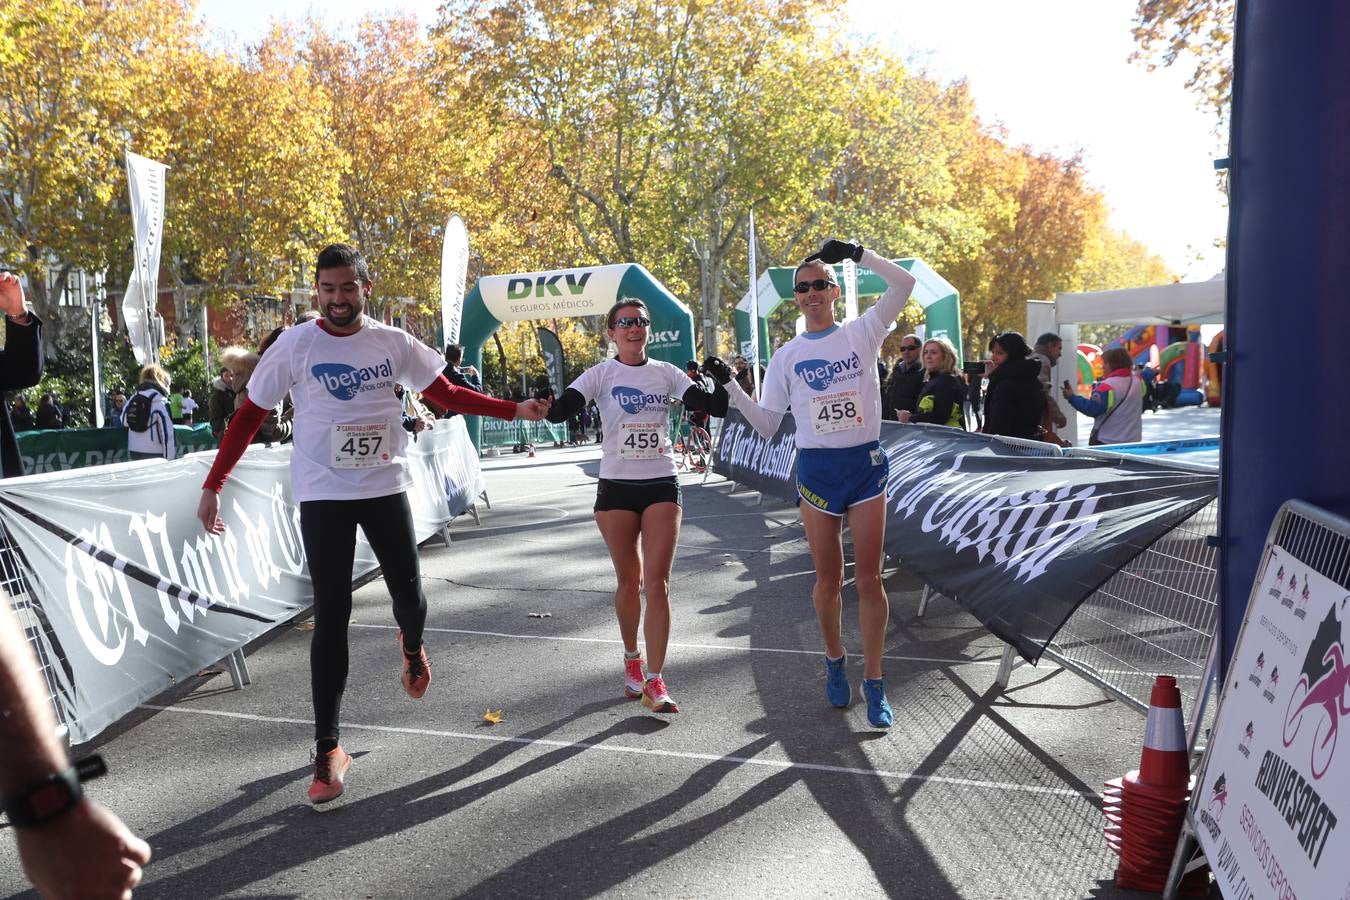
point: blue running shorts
(832, 480)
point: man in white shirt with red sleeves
(348, 468)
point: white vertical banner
(754, 308)
(145, 181)
(850, 290)
(454, 272)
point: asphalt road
(757, 789)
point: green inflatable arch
(941, 302)
(569, 293)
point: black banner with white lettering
(554, 361)
(1018, 541)
(767, 466)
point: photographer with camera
(1116, 403)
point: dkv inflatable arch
(570, 293)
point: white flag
(145, 180)
(454, 271)
(754, 310)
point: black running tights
(328, 529)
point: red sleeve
(463, 400)
(243, 426)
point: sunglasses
(909, 346)
(819, 284)
(631, 321)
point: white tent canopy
(1190, 303)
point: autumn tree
(1200, 32)
(397, 186)
(662, 123)
(252, 186)
(77, 79)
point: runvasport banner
(128, 593)
(1018, 541)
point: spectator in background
(906, 379)
(20, 363)
(21, 415)
(740, 366)
(220, 405)
(940, 397)
(71, 414)
(1117, 402)
(176, 407)
(1013, 403)
(69, 846)
(273, 429)
(465, 377)
(1049, 346)
(48, 415)
(157, 440)
(117, 409)
(698, 417)
(189, 408)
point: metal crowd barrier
(1157, 615)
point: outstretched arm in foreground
(84, 851)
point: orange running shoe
(329, 771)
(655, 698)
(632, 678)
(416, 670)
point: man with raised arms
(828, 377)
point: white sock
(636, 654)
(651, 675)
(834, 659)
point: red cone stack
(1144, 810)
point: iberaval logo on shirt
(632, 400)
(344, 382)
(820, 374)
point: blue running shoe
(878, 710)
(836, 682)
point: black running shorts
(635, 496)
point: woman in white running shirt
(638, 495)
(828, 376)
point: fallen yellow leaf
(492, 718)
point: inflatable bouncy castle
(1173, 352)
(1214, 371)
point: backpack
(137, 414)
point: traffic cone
(1163, 763)
(1144, 809)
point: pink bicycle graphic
(1329, 693)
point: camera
(973, 368)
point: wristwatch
(44, 800)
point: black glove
(718, 370)
(833, 251)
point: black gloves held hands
(833, 251)
(718, 370)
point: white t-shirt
(349, 439)
(829, 380)
(189, 406)
(633, 402)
